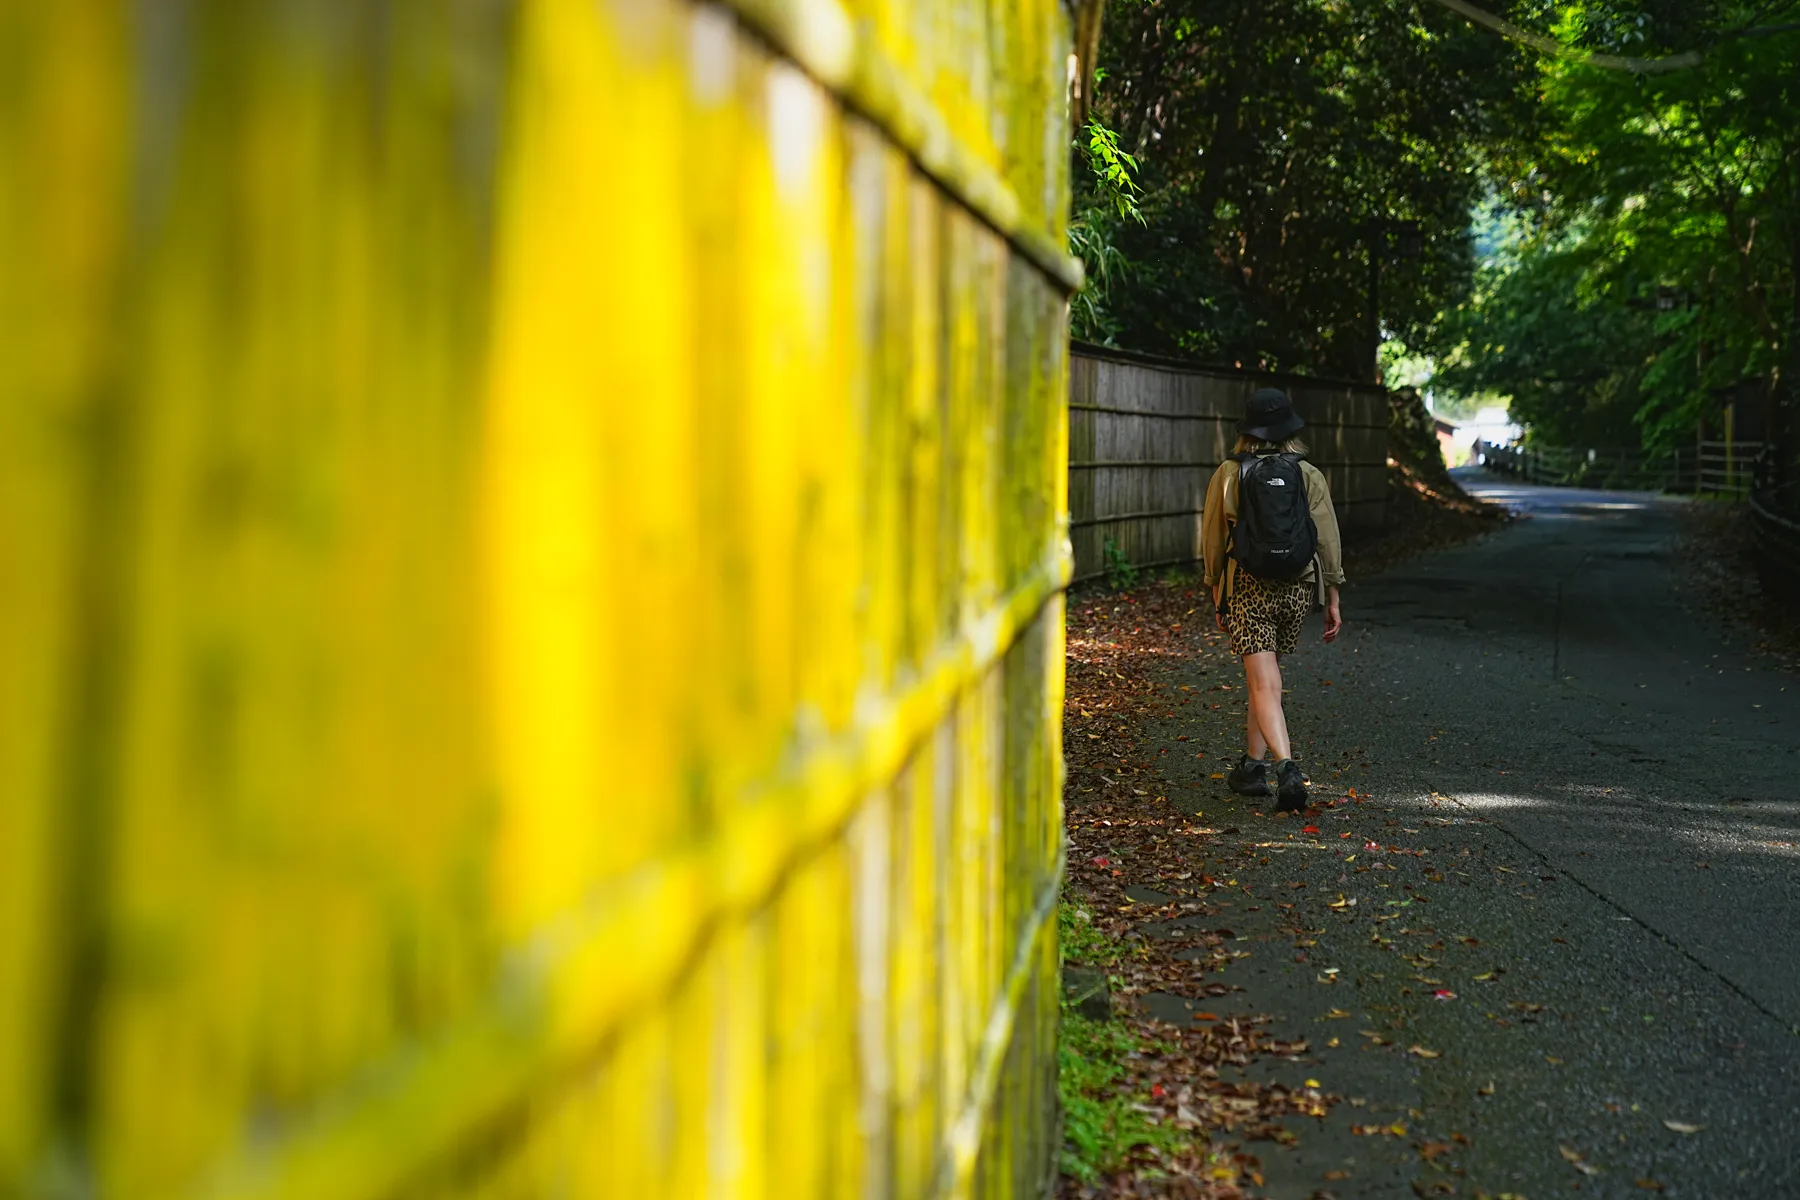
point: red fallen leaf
(1310, 829)
(1157, 1091)
(1443, 994)
(1101, 862)
(1206, 1016)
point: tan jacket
(1220, 512)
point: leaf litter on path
(1124, 834)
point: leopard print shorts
(1266, 614)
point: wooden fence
(1146, 433)
(533, 551)
(1727, 468)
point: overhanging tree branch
(1549, 45)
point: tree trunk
(1088, 14)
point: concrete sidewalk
(1562, 958)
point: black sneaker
(1250, 777)
(1290, 786)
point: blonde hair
(1255, 445)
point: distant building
(1446, 437)
(1490, 425)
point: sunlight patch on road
(1502, 800)
(1776, 843)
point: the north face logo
(1277, 482)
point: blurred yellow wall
(531, 539)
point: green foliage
(1540, 331)
(1121, 575)
(1101, 1125)
(1112, 171)
(1080, 941)
(1272, 137)
(1649, 275)
(1107, 198)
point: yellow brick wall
(531, 538)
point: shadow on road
(1546, 946)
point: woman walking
(1270, 537)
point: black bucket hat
(1270, 415)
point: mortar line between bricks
(1590, 889)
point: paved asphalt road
(1588, 828)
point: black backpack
(1274, 537)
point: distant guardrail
(1709, 468)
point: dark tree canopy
(1654, 280)
(1652, 219)
(1270, 136)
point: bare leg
(1255, 745)
(1267, 723)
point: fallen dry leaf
(1683, 1127)
(1648, 1185)
(1422, 1052)
(1486, 1089)
(1576, 1161)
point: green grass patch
(1081, 942)
(1101, 1126)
